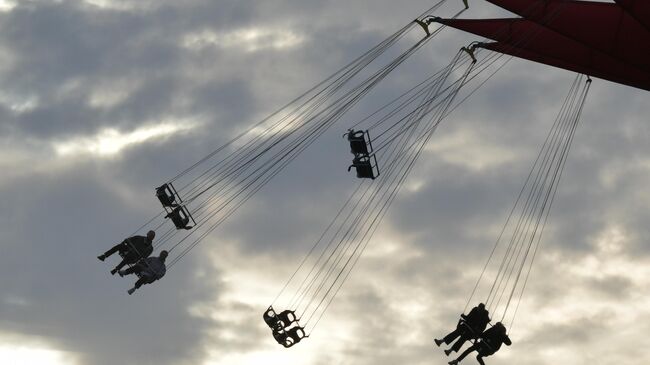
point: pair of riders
(472, 327)
(135, 251)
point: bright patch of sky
(111, 93)
(249, 39)
(468, 149)
(110, 142)
(7, 5)
(25, 355)
(115, 5)
(18, 104)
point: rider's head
(151, 235)
(163, 255)
(481, 305)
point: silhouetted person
(149, 270)
(470, 326)
(489, 343)
(131, 249)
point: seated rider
(469, 327)
(132, 250)
(149, 270)
(488, 344)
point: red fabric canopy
(604, 40)
(571, 66)
(520, 37)
(604, 26)
(640, 9)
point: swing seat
(271, 318)
(485, 349)
(287, 317)
(133, 255)
(181, 217)
(293, 336)
(166, 194)
(365, 168)
(358, 144)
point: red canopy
(640, 9)
(604, 40)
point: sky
(101, 100)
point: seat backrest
(364, 168)
(183, 216)
(358, 143)
(358, 147)
(352, 134)
(297, 333)
(165, 195)
(361, 160)
(287, 317)
(270, 317)
(180, 217)
(288, 342)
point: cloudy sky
(100, 100)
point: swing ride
(609, 41)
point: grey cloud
(96, 321)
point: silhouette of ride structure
(364, 160)
(284, 326)
(173, 205)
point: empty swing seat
(293, 336)
(359, 146)
(181, 217)
(271, 319)
(365, 168)
(279, 321)
(166, 194)
(286, 318)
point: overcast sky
(101, 100)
